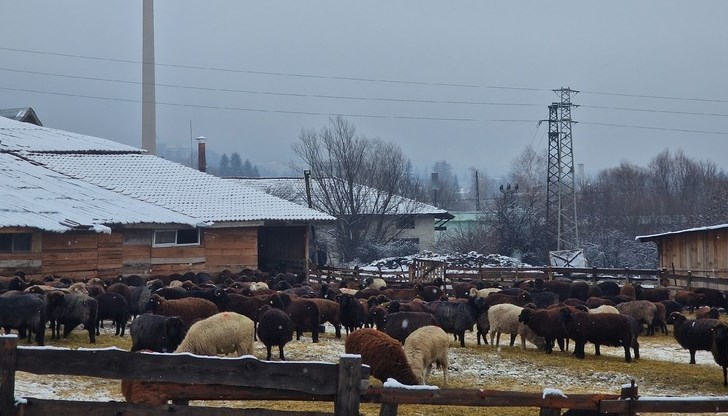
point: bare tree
(359, 181)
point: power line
(654, 128)
(285, 94)
(359, 79)
(284, 74)
(260, 110)
(648, 110)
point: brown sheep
(707, 312)
(689, 299)
(304, 313)
(190, 310)
(628, 290)
(329, 311)
(382, 353)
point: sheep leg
(513, 339)
(462, 338)
(725, 377)
(268, 348)
(596, 350)
(492, 338)
(338, 330)
(627, 356)
(280, 353)
(692, 356)
(560, 341)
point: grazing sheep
(304, 313)
(595, 302)
(689, 299)
(656, 294)
(429, 293)
(456, 317)
(720, 348)
(382, 353)
(604, 309)
(628, 290)
(426, 346)
(112, 306)
(545, 323)
(503, 318)
(352, 314)
(711, 297)
(71, 310)
(643, 311)
(222, 333)
(400, 325)
(601, 329)
(692, 334)
(24, 312)
(329, 311)
(274, 328)
(707, 312)
(156, 332)
(374, 283)
(190, 310)
(608, 288)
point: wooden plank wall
(282, 249)
(231, 248)
(70, 254)
(703, 253)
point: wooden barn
(81, 206)
(703, 251)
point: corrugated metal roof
(137, 175)
(36, 197)
(24, 114)
(643, 238)
(294, 189)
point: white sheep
(257, 286)
(377, 283)
(604, 309)
(503, 318)
(483, 293)
(222, 333)
(426, 346)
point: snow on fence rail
(151, 380)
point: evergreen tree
(224, 165)
(236, 165)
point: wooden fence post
(348, 390)
(630, 392)
(594, 275)
(690, 280)
(8, 362)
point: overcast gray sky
(464, 82)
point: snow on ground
(484, 365)
(471, 260)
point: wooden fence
(150, 381)
(427, 270)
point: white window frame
(176, 236)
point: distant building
(416, 222)
(703, 251)
(24, 114)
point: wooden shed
(703, 251)
(85, 207)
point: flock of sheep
(401, 333)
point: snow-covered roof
(36, 197)
(294, 189)
(136, 176)
(644, 238)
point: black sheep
(24, 312)
(304, 313)
(399, 325)
(672, 306)
(656, 294)
(352, 314)
(456, 317)
(610, 329)
(274, 328)
(712, 297)
(72, 310)
(545, 323)
(719, 348)
(156, 332)
(609, 288)
(692, 334)
(579, 290)
(115, 307)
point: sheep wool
(382, 353)
(222, 333)
(426, 346)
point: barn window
(15, 242)
(166, 238)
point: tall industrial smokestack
(149, 115)
(201, 157)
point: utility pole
(149, 114)
(561, 185)
(477, 192)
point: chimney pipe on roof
(201, 159)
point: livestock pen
(153, 380)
